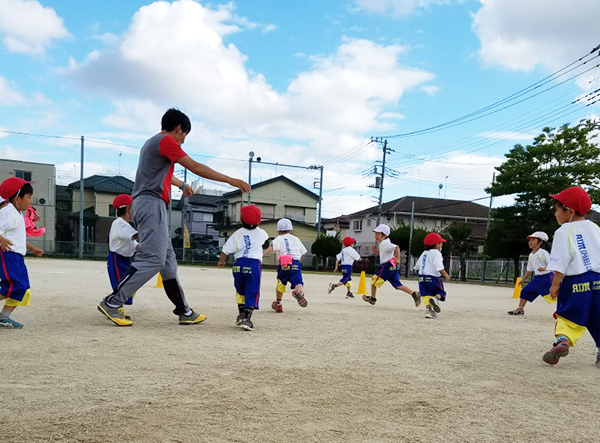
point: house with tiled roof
(432, 214)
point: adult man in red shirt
(151, 194)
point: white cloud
(399, 8)
(28, 27)
(9, 95)
(343, 92)
(430, 90)
(520, 35)
(8, 152)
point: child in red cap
(575, 260)
(14, 288)
(122, 242)
(346, 259)
(431, 267)
(247, 245)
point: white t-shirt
(576, 248)
(288, 244)
(538, 260)
(246, 243)
(430, 263)
(386, 250)
(12, 227)
(120, 239)
(347, 256)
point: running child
(14, 287)
(536, 265)
(122, 242)
(431, 267)
(346, 259)
(389, 259)
(575, 260)
(290, 251)
(247, 244)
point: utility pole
(250, 156)
(184, 214)
(487, 228)
(412, 224)
(379, 180)
(81, 202)
(320, 200)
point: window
(267, 212)
(357, 225)
(207, 217)
(295, 213)
(111, 211)
(25, 175)
(369, 221)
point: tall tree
(461, 245)
(557, 158)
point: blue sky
(296, 82)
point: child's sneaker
(369, 299)
(349, 295)
(277, 307)
(299, 296)
(435, 305)
(245, 323)
(516, 311)
(331, 287)
(192, 319)
(430, 313)
(9, 323)
(559, 349)
(417, 298)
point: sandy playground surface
(337, 371)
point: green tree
(400, 235)
(326, 246)
(461, 245)
(557, 159)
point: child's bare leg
(373, 291)
(298, 289)
(522, 303)
(415, 295)
(278, 295)
(405, 289)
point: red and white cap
(383, 229)
(433, 238)
(11, 186)
(250, 214)
(122, 200)
(348, 241)
(575, 198)
(539, 234)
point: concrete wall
(43, 180)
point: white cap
(384, 229)
(539, 234)
(284, 225)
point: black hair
(546, 246)
(429, 247)
(121, 211)
(26, 189)
(247, 226)
(173, 118)
(558, 204)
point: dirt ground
(339, 370)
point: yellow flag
(186, 238)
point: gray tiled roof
(116, 184)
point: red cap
(251, 215)
(11, 186)
(575, 198)
(348, 241)
(433, 238)
(122, 200)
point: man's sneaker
(332, 286)
(369, 299)
(559, 349)
(430, 313)
(417, 298)
(435, 305)
(246, 324)
(299, 296)
(9, 323)
(192, 319)
(349, 295)
(277, 307)
(516, 311)
(116, 315)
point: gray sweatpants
(154, 255)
